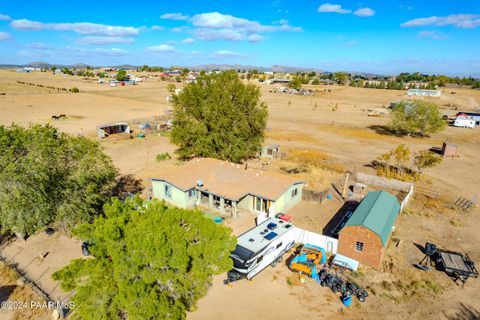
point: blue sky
(367, 35)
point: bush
(163, 156)
(74, 90)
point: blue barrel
(329, 196)
(346, 300)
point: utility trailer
(260, 247)
(457, 266)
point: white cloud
(4, 36)
(178, 29)
(4, 17)
(336, 8)
(162, 48)
(219, 34)
(174, 16)
(364, 12)
(216, 26)
(156, 28)
(227, 54)
(457, 20)
(37, 46)
(78, 27)
(432, 35)
(188, 40)
(101, 41)
(255, 38)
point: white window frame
(192, 193)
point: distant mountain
(275, 68)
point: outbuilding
(365, 235)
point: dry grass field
(330, 132)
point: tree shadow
(464, 312)
(127, 185)
(5, 292)
(385, 130)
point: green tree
(316, 81)
(402, 156)
(296, 83)
(48, 177)
(121, 75)
(416, 117)
(341, 77)
(425, 159)
(220, 117)
(151, 261)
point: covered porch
(233, 207)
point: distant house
(365, 235)
(173, 73)
(227, 187)
(424, 93)
(191, 78)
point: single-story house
(424, 92)
(227, 187)
(365, 235)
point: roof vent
(272, 226)
(200, 182)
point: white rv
(464, 121)
(262, 246)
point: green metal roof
(377, 212)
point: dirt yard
(333, 126)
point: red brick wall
(373, 249)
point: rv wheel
(274, 263)
(280, 259)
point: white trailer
(262, 246)
(464, 122)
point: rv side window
(260, 259)
(278, 245)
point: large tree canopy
(50, 177)
(151, 261)
(416, 117)
(220, 117)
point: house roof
(377, 212)
(229, 180)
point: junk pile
(308, 261)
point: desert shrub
(163, 156)
(74, 90)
